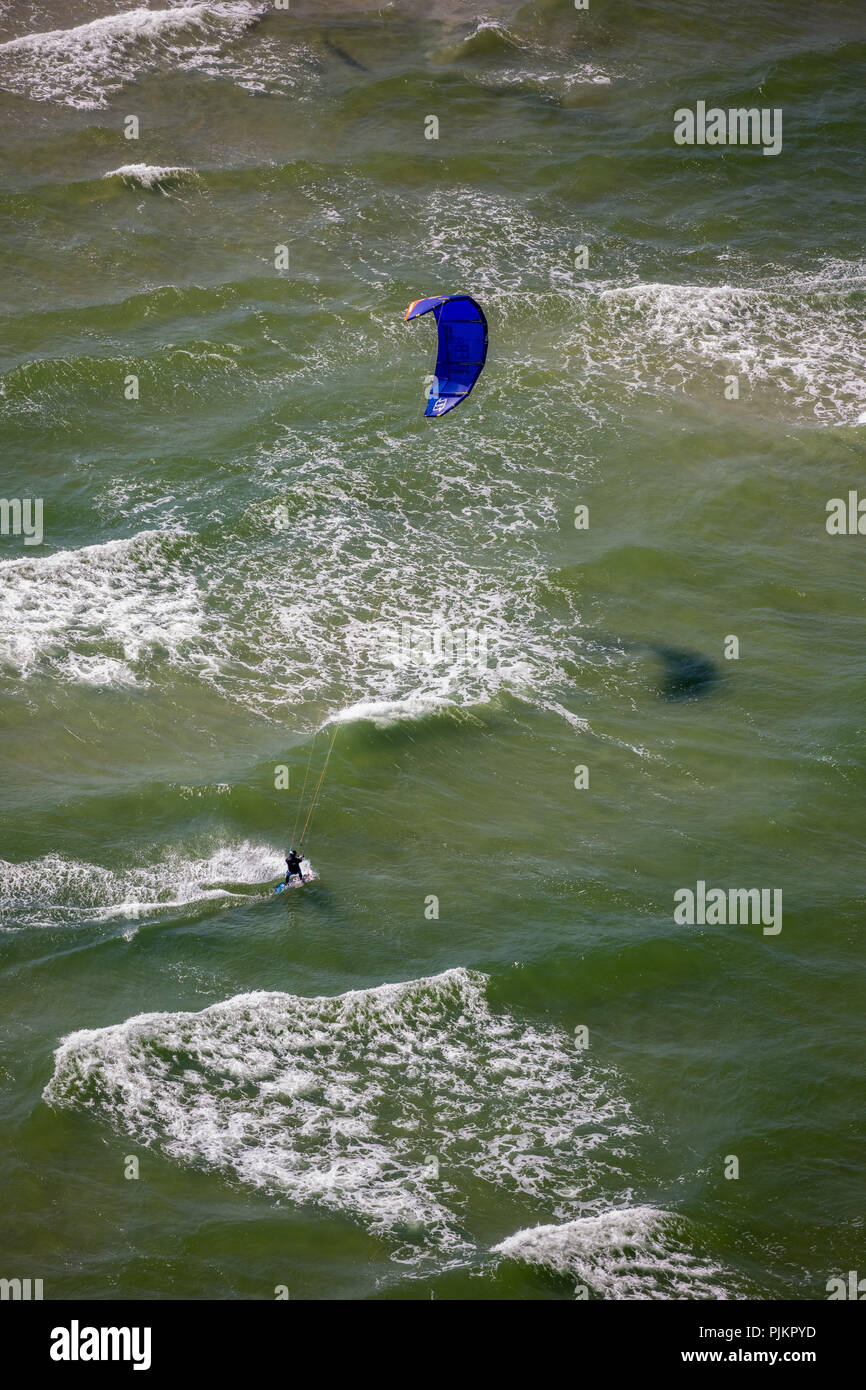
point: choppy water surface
(337, 1089)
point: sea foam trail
(84, 66)
(90, 615)
(115, 614)
(387, 1104)
(630, 1253)
(318, 627)
(799, 337)
(53, 891)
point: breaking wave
(387, 1104)
(630, 1253)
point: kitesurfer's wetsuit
(293, 865)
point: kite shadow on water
(685, 675)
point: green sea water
(477, 1057)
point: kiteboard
(295, 882)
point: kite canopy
(462, 347)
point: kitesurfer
(293, 867)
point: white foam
(117, 613)
(558, 83)
(629, 1253)
(54, 891)
(351, 1102)
(95, 614)
(150, 175)
(384, 712)
(308, 622)
(797, 336)
(84, 66)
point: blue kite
(462, 349)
